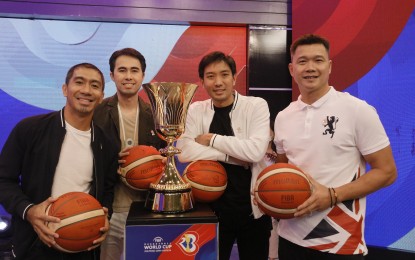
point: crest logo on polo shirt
(330, 123)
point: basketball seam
(194, 162)
(126, 169)
(141, 179)
(273, 209)
(266, 175)
(204, 187)
(75, 219)
(124, 180)
(54, 209)
(205, 170)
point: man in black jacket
(48, 155)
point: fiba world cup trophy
(169, 103)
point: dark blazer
(106, 116)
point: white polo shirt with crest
(327, 140)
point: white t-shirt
(75, 167)
(327, 140)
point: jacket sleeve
(111, 176)
(252, 148)
(11, 160)
(191, 150)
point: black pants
(40, 251)
(291, 251)
(251, 235)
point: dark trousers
(291, 251)
(251, 235)
(40, 251)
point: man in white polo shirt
(331, 136)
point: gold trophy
(169, 103)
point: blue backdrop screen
(389, 88)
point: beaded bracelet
(331, 198)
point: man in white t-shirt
(55, 153)
(331, 136)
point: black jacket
(27, 166)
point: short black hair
(213, 57)
(127, 52)
(308, 39)
(70, 72)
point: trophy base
(167, 201)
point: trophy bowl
(169, 103)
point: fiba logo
(157, 239)
(157, 245)
(188, 243)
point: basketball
(280, 189)
(81, 218)
(207, 178)
(142, 166)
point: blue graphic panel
(36, 54)
(172, 241)
(389, 87)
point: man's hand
(204, 139)
(37, 217)
(124, 152)
(318, 201)
(104, 230)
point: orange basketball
(142, 166)
(207, 178)
(81, 218)
(280, 189)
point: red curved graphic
(197, 41)
(206, 232)
(360, 33)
